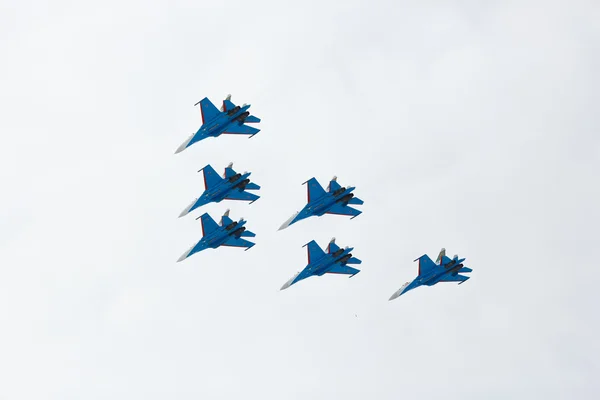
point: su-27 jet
(226, 233)
(430, 273)
(232, 186)
(229, 120)
(335, 261)
(333, 201)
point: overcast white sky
(468, 125)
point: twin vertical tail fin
(333, 185)
(442, 254)
(227, 104)
(225, 220)
(332, 247)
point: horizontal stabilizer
(247, 233)
(356, 201)
(208, 110)
(465, 269)
(252, 186)
(242, 196)
(455, 278)
(354, 260)
(339, 209)
(251, 119)
(342, 269)
(235, 129)
(233, 242)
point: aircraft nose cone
(185, 255)
(396, 295)
(184, 145)
(187, 209)
(399, 291)
(290, 282)
(288, 222)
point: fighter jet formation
(336, 200)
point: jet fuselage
(322, 265)
(219, 191)
(220, 236)
(217, 125)
(322, 205)
(450, 268)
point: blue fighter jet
(227, 233)
(230, 119)
(430, 273)
(232, 186)
(333, 262)
(333, 201)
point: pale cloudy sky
(467, 125)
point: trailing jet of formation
(443, 270)
(336, 199)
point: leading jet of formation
(430, 273)
(232, 186)
(333, 201)
(231, 119)
(335, 261)
(226, 233)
